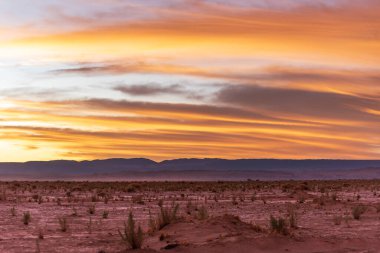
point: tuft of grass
(89, 225)
(357, 211)
(234, 201)
(152, 224)
(63, 224)
(189, 207)
(91, 209)
(40, 200)
(278, 225)
(40, 234)
(75, 212)
(202, 213)
(258, 228)
(337, 219)
(167, 215)
(13, 211)
(292, 215)
(26, 218)
(38, 250)
(138, 199)
(130, 236)
(301, 199)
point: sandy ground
(235, 216)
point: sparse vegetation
(26, 218)
(75, 212)
(167, 215)
(358, 211)
(13, 211)
(91, 209)
(40, 234)
(295, 205)
(63, 224)
(89, 225)
(337, 219)
(202, 213)
(130, 236)
(278, 225)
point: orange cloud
(163, 131)
(348, 32)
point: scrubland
(249, 216)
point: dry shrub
(130, 236)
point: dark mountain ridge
(196, 169)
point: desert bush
(130, 236)
(40, 234)
(63, 224)
(138, 199)
(3, 195)
(35, 197)
(105, 214)
(321, 200)
(26, 218)
(234, 201)
(89, 225)
(75, 212)
(152, 224)
(13, 211)
(337, 219)
(278, 225)
(91, 209)
(94, 198)
(292, 218)
(167, 215)
(357, 211)
(301, 199)
(38, 250)
(258, 228)
(202, 213)
(189, 207)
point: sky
(96, 79)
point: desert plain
(190, 217)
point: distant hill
(190, 169)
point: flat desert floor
(233, 217)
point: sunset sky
(94, 79)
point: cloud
(359, 82)
(154, 89)
(341, 33)
(281, 101)
(93, 128)
(150, 89)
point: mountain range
(190, 169)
